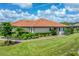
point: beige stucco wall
(27, 29)
(41, 30)
(37, 30)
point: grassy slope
(66, 45)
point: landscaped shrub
(53, 32)
(35, 35)
(71, 30)
(27, 36)
(14, 35)
(30, 35)
(77, 29)
(42, 34)
(23, 36)
(68, 31)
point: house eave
(40, 26)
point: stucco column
(57, 31)
(32, 30)
(61, 31)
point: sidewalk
(40, 38)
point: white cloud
(69, 9)
(52, 13)
(23, 5)
(54, 8)
(9, 15)
(72, 6)
(33, 17)
(40, 13)
(48, 11)
(60, 12)
(56, 14)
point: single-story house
(39, 25)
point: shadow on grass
(9, 42)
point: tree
(5, 29)
(67, 23)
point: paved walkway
(40, 38)
(12, 39)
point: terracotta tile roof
(37, 23)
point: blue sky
(60, 12)
(34, 8)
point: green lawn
(57, 46)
